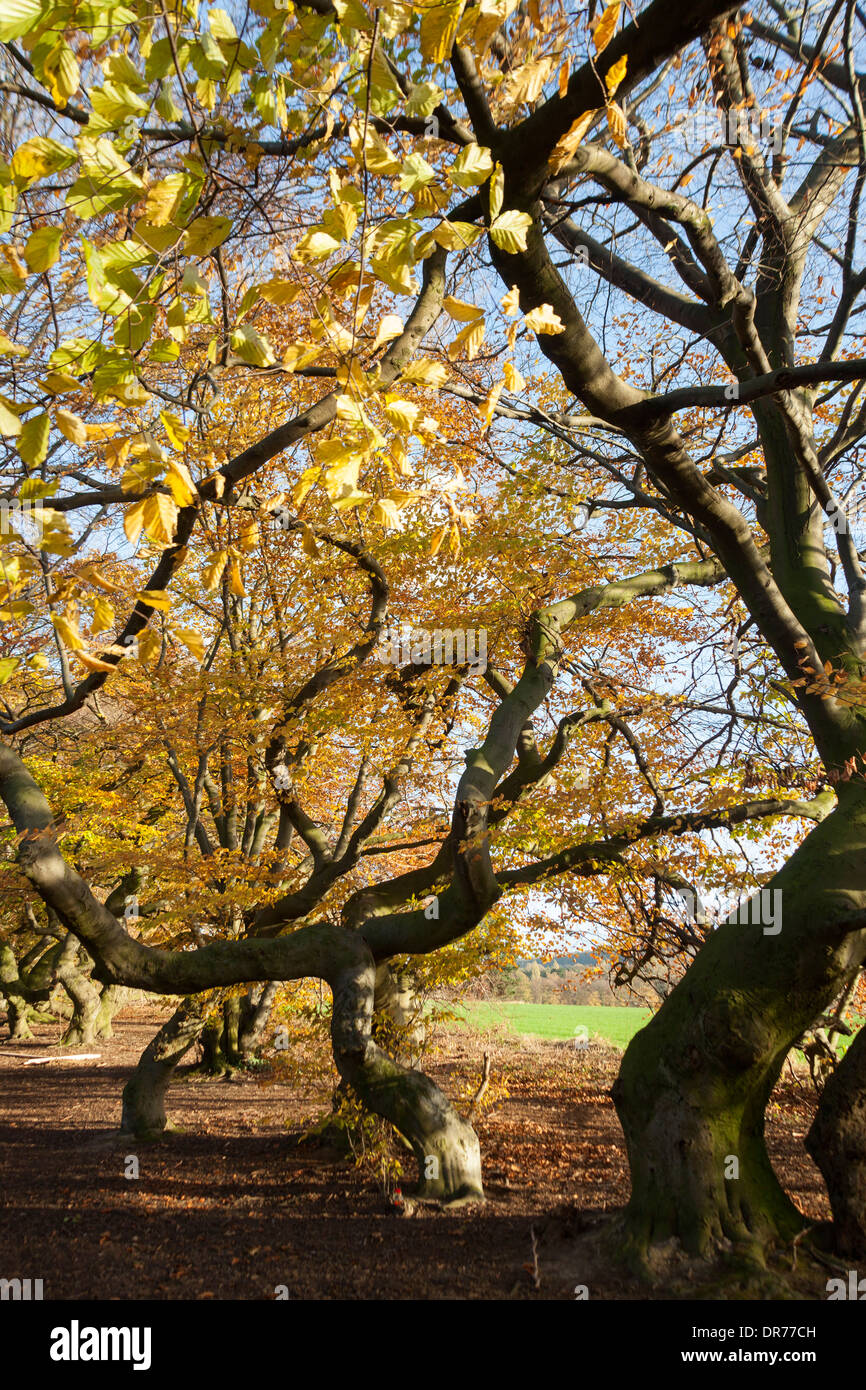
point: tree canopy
(433, 441)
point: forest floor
(231, 1206)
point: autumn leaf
(160, 518)
(544, 320)
(565, 147)
(72, 426)
(213, 570)
(606, 26)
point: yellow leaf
(351, 498)
(616, 124)
(426, 372)
(511, 301)
(402, 414)
(103, 616)
(94, 663)
(67, 631)
(60, 383)
(178, 433)
(455, 236)
(473, 166)
(606, 26)
(42, 248)
(544, 320)
(470, 338)
(279, 291)
(72, 426)
(385, 512)
(314, 246)
(164, 199)
(437, 539)
(180, 483)
(390, 327)
(33, 440)
(101, 431)
(565, 147)
(155, 598)
(497, 191)
(192, 640)
(513, 380)
(488, 405)
(439, 29)
(160, 518)
(133, 521)
(236, 584)
(563, 77)
(615, 74)
(509, 231)
(460, 309)
(248, 533)
(213, 570)
(149, 643)
(98, 580)
(308, 542)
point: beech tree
(200, 210)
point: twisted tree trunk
(143, 1112)
(255, 1012)
(82, 1029)
(837, 1143)
(445, 1146)
(111, 1000)
(695, 1081)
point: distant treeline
(562, 980)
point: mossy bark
(17, 1011)
(111, 1000)
(694, 1083)
(837, 1143)
(445, 1146)
(82, 1030)
(143, 1113)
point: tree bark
(82, 1028)
(445, 1146)
(255, 1012)
(395, 1001)
(17, 1018)
(111, 1000)
(694, 1083)
(143, 1113)
(837, 1143)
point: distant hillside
(560, 980)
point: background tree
(202, 159)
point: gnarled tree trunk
(82, 1028)
(837, 1143)
(111, 1000)
(694, 1083)
(445, 1146)
(255, 1012)
(143, 1112)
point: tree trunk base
(837, 1143)
(143, 1109)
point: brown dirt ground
(230, 1206)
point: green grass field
(616, 1026)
